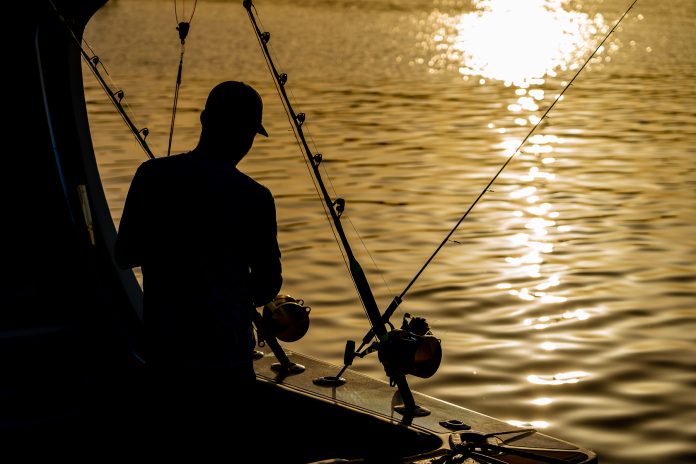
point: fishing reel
(411, 349)
(286, 318)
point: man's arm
(128, 251)
(266, 269)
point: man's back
(205, 236)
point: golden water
(565, 301)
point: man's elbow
(266, 293)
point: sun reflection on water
(539, 37)
(534, 47)
(559, 379)
(543, 322)
(531, 424)
(542, 401)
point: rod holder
(329, 381)
(409, 408)
(337, 380)
(284, 364)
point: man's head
(232, 117)
(235, 103)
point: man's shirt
(205, 236)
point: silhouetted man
(205, 237)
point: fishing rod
(399, 298)
(116, 96)
(335, 208)
(183, 28)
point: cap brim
(262, 131)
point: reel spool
(412, 349)
(286, 318)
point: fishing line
(327, 175)
(298, 139)
(308, 135)
(288, 113)
(176, 13)
(183, 28)
(335, 206)
(367, 250)
(398, 298)
(393, 306)
(345, 216)
(272, 70)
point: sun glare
(522, 42)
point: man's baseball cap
(237, 101)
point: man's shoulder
(189, 166)
(251, 183)
(259, 195)
(166, 164)
(154, 164)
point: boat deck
(448, 422)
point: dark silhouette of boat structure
(70, 327)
